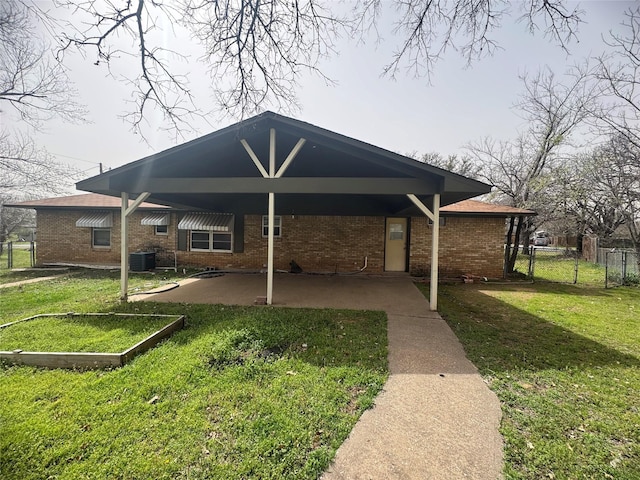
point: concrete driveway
(434, 419)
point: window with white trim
(277, 226)
(100, 237)
(210, 241)
(162, 229)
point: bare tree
(618, 178)
(618, 76)
(428, 28)
(32, 82)
(25, 168)
(256, 50)
(11, 219)
(519, 170)
(36, 88)
(460, 164)
(578, 198)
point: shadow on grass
(499, 337)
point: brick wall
(316, 243)
(59, 240)
(468, 245)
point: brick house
(85, 229)
(272, 189)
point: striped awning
(95, 220)
(217, 222)
(155, 219)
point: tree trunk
(514, 250)
(507, 246)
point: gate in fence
(14, 259)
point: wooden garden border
(90, 360)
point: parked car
(541, 239)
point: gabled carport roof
(241, 169)
(331, 174)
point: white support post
(125, 211)
(255, 159)
(290, 158)
(124, 247)
(435, 247)
(272, 153)
(435, 243)
(270, 249)
(272, 173)
(271, 214)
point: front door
(395, 249)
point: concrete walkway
(31, 280)
(435, 418)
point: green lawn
(565, 362)
(241, 392)
(79, 333)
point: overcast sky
(406, 115)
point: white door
(395, 249)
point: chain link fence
(605, 267)
(621, 267)
(17, 255)
(549, 264)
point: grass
(564, 361)
(241, 392)
(551, 266)
(82, 333)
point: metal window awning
(217, 222)
(155, 219)
(95, 220)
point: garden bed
(83, 341)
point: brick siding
(59, 240)
(468, 245)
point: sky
(406, 115)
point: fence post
(575, 271)
(624, 267)
(32, 253)
(532, 261)
(9, 255)
(606, 270)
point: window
(162, 230)
(210, 241)
(396, 231)
(277, 226)
(101, 237)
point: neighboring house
(85, 229)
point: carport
(275, 165)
